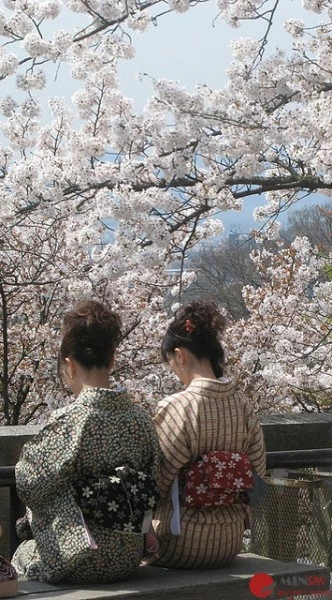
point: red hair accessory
(189, 325)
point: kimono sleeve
(155, 451)
(256, 444)
(170, 422)
(152, 444)
(47, 462)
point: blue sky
(193, 47)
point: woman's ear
(180, 356)
(70, 367)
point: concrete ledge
(151, 583)
(289, 431)
(12, 439)
(292, 431)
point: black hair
(196, 326)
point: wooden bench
(229, 583)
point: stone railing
(297, 431)
(287, 431)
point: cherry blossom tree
(163, 177)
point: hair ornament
(189, 326)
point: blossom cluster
(282, 353)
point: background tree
(313, 222)
(222, 269)
(163, 177)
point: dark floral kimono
(98, 434)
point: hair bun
(91, 334)
(91, 314)
(202, 319)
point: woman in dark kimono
(89, 478)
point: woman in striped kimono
(209, 415)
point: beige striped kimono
(209, 415)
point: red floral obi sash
(216, 479)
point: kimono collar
(105, 397)
(209, 387)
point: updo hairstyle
(196, 326)
(91, 333)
